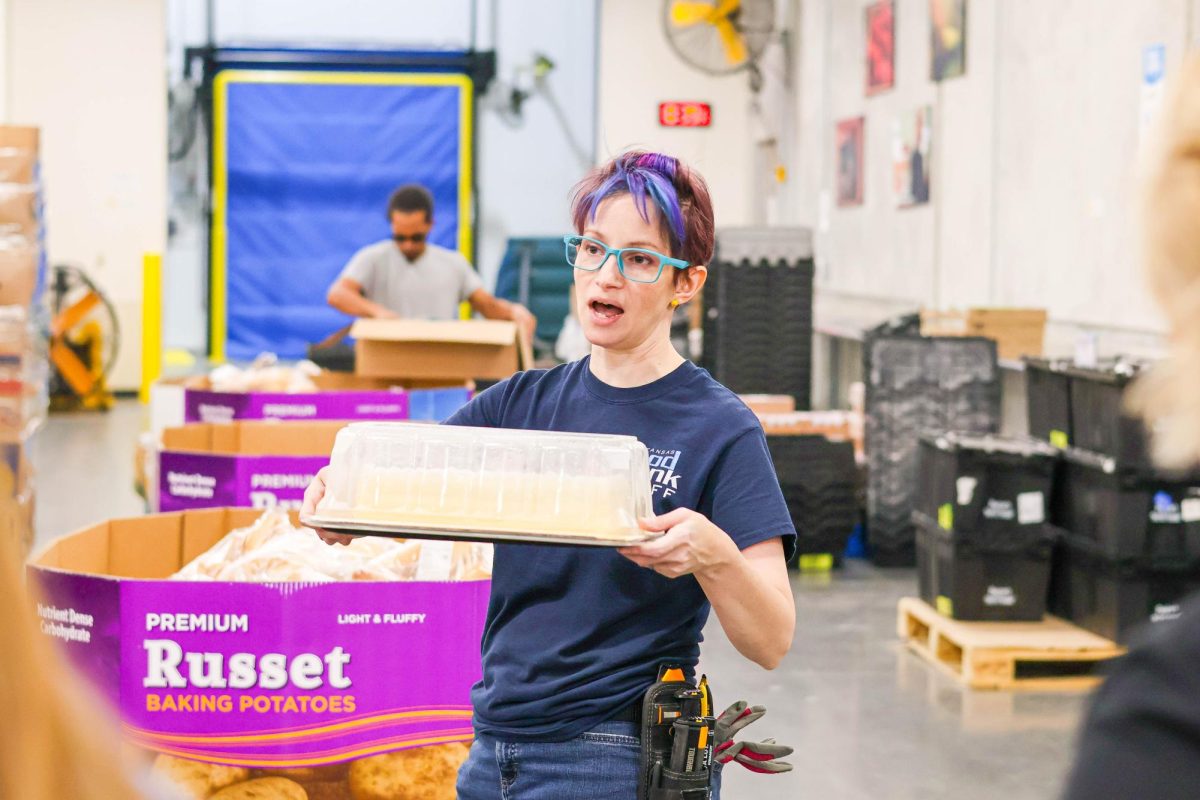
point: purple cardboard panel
(275, 675)
(205, 480)
(82, 613)
(270, 481)
(196, 480)
(201, 406)
(348, 405)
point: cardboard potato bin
(262, 677)
(340, 397)
(252, 464)
(438, 349)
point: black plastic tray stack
(983, 542)
(917, 384)
(819, 479)
(1132, 545)
(758, 302)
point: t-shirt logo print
(663, 476)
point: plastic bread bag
(234, 545)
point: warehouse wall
(91, 76)
(1033, 157)
(638, 70)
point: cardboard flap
(270, 438)
(254, 438)
(196, 438)
(485, 332)
(144, 547)
(21, 137)
(84, 551)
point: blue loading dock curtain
(309, 161)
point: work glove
(762, 757)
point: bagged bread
(273, 551)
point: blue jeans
(601, 764)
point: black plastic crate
(819, 480)
(1115, 597)
(898, 551)
(1099, 422)
(985, 484)
(1048, 400)
(1129, 513)
(967, 578)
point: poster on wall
(881, 42)
(948, 32)
(849, 139)
(912, 139)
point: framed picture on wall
(881, 47)
(849, 156)
(912, 146)
(948, 33)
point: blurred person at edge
(576, 635)
(55, 743)
(408, 276)
(1141, 738)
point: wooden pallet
(1052, 655)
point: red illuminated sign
(676, 114)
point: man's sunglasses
(416, 238)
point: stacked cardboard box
(22, 352)
(1018, 332)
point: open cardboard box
(256, 464)
(340, 396)
(439, 349)
(294, 674)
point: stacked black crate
(758, 312)
(915, 385)
(983, 542)
(1132, 549)
(819, 480)
(1048, 400)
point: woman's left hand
(690, 545)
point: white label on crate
(999, 509)
(1031, 508)
(1165, 612)
(966, 489)
(1191, 509)
(435, 561)
(1000, 596)
(1165, 511)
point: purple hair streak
(679, 194)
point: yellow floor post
(151, 322)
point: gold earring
(674, 304)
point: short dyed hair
(679, 193)
(411, 197)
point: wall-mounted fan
(719, 37)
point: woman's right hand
(312, 496)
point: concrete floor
(867, 718)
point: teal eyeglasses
(635, 263)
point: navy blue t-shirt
(575, 634)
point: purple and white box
(258, 675)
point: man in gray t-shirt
(406, 276)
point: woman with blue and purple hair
(575, 636)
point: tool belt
(677, 732)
